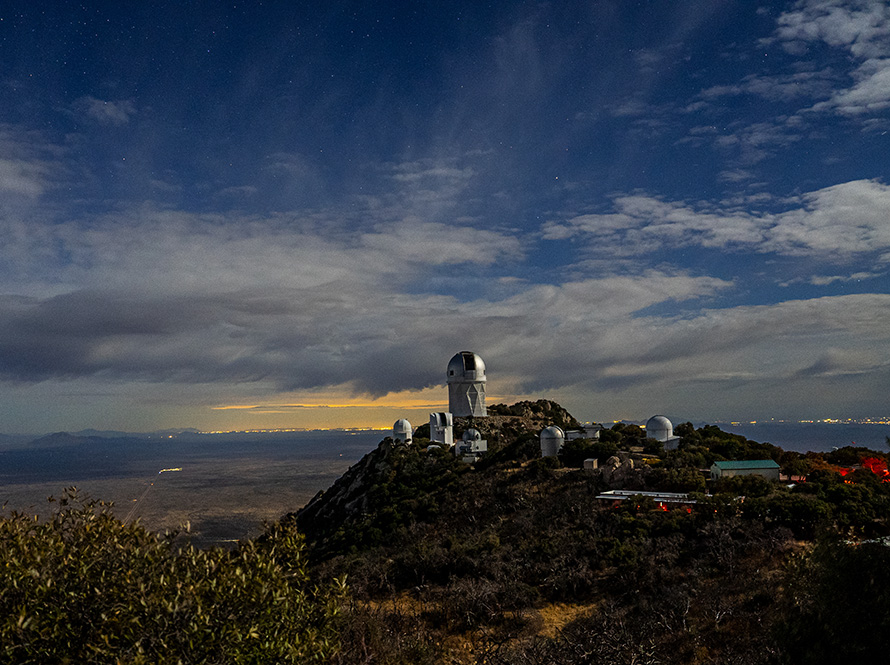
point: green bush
(804, 514)
(683, 479)
(84, 587)
(573, 453)
(838, 605)
(752, 485)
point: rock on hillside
(505, 423)
(536, 415)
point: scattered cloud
(778, 87)
(26, 163)
(855, 277)
(419, 171)
(870, 94)
(843, 363)
(752, 143)
(860, 26)
(862, 29)
(735, 175)
(837, 221)
(21, 177)
(413, 241)
(631, 108)
(343, 225)
(106, 112)
(237, 192)
(825, 280)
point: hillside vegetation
(83, 587)
(512, 560)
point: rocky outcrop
(619, 472)
(538, 414)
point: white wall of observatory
(466, 385)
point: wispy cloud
(778, 87)
(106, 112)
(26, 163)
(825, 280)
(837, 221)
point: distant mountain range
(112, 434)
(64, 440)
(86, 437)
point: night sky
(272, 214)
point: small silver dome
(552, 439)
(471, 435)
(401, 430)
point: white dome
(659, 428)
(465, 366)
(401, 430)
(552, 439)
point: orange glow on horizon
(367, 405)
(337, 408)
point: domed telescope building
(401, 431)
(661, 429)
(466, 385)
(471, 447)
(552, 439)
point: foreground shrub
(84, 587)
(838, 605)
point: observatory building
(587, 431)
(442, 428)
(401, 431)
(767, 468)
(552, 439)
(471, 446)
(466, 385)
(661, 429)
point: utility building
(589, 431)
(466, 385)
(767, 468)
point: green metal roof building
(761, 467)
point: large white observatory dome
(466, 385)
(401, 431)
(552, 439)
(659, 428)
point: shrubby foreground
(83, 587)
